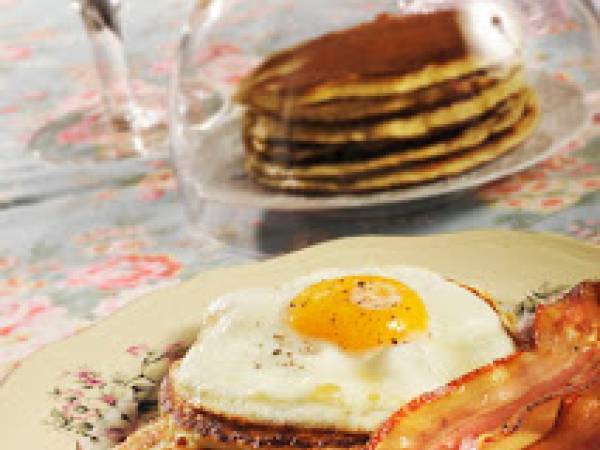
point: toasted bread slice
(200, 428)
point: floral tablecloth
(78, 242)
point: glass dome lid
(341, 104)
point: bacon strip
(578, 424)
(565, 356)
(533, 426)
(571, 422)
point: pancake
(506, 116)
(265, 127)
(423, 172)
(292, 153)
(392, 54)
(200, 428)
(357, 108)
(303, 154)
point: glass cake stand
(226, 38)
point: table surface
(78, 242)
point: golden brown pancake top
(388, 45)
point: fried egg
(338, 348)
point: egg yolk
(358, 312)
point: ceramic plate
(84, 387)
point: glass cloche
(296, 121)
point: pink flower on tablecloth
(16, 285)
(124, 271)
(214, 51)
(555, 184)
(114, 240)
(106, 195)
(7, 262)
(15, 53)
(228, 70)
(9, 109)
(156, 184)
(224, 65)
(79, 132)
(562, 76)
(162, 67)
(590, 183)
(35, 95)
(152, 195)
(79, 101)
(18, 313)
(103, 233)
(28, 324)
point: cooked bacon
(571, 422)
(565, 356)
(578, 423)
(532, 426)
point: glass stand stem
(101, 22)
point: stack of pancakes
(397, 101)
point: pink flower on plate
(88, 378)
(136, 350)
(28, 324)
(124, 271)
(109, 399)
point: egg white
(247, 362)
